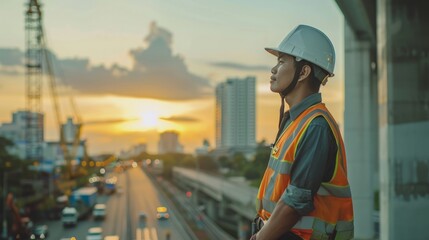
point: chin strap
(289, 89)
(282, 110)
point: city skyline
(95, 47)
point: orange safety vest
(333, 209)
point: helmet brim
(276, 52)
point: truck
(83, 200)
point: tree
(224, 162)
(256, 168)
(10, 162)
(251, 173)
(207, 163)
(239, 162)
(5, 157)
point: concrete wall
(361, 129)
(403, 70)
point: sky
(138, 68)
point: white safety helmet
(308, 43)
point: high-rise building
(235, 114)
(204, 149)
(69, 130)
(15, 131)
(169, 143)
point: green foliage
(207, 164)
(251, 173)
(174, 159)
(238, 162)
(224, 162)
(8, 161)
(188, 161)
(252, 170)
(4, 143)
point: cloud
(239, 66)
(109, 121)
(180, 119)
(156, 73)
(10, 71)
(11, 57)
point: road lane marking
(146, 234)
(139, 234)
(154, 234)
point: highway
(137, 194)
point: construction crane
(38, 59)
(33, 64)
(37, 53)
(69, 154)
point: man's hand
(281, 221)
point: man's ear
(305, 73)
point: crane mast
(33, 64)
(38, 60)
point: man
(304, 193)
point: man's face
(282, 73)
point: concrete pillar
(211, 209)
(360, 129)
(403, 70)
(195, 197)
(222, 208)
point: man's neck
(295, 97)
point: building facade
(134, 151)
(204, 149)
(236, 114)
(16, 132)
(169, 143)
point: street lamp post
(4, 232)
(198, 181)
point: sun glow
(149, 120)
(149, 114)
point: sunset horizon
(152, 80)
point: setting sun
(149, 120)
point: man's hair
(317, 74)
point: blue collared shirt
(314, 159)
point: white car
(111, 237)
(95, 233)
(99, 211)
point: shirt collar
(309, 101)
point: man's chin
(273, 89)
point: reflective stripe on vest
(327, 189)
(335, 194)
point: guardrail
(213, 231)
(185, 226)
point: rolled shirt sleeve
(314, 163)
